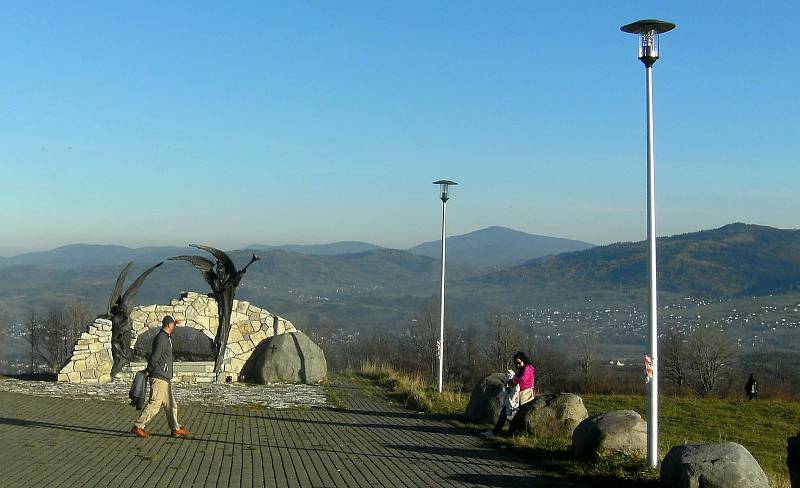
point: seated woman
(523, 378)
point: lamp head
(444, 186)
(648, 31)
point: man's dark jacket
(159, 364)
(138, 393)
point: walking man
(159, 369)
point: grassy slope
(760, 426)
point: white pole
(441, 308)
(652, 416)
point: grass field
(760, 426)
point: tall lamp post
(444, 186)
(648, 31)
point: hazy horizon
(387, 246)
(235, 124)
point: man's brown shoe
(139, 432)
(181, 432)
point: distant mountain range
(734, 260)
(333, 249)
(498, 247)
(382, 287)
(492, 247)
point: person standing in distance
(159, 370)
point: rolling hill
(498, 247)
(733, 260)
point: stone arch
(91, 361)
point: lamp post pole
(444, 186)
(648, 31)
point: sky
(232, 123)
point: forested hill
(734, 260)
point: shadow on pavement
(70, 428)
(503, 480)
(485, 454)
(430, 429)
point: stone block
(245, 328)
(241, 306)
(79, 365)
(63, 377)
(258, 336)
(86, 336)
(237, 317)
(67, 369)
(234, 348)
(74, 377)
(103, 322)
(96, 347)
(235, 334)
(105, 378)
(89, 374)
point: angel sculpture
(119, 310)
(223, 279)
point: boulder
(286, 358)
(622, 431)
(724, 465)
(550, 415)
(793, 459)
(486, 401)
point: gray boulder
(724, 465)
(486, 401)
(286, 358)
(793, 459)
(622, 431)
(550, 415)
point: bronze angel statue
(119, 311)
(223, 278)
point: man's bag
(138, 393)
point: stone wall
(91, 361)
(184, 372)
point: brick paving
(65, 442)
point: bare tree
(711, 354)
(32, 327)
(506, 340)
(587, 356)
(423, 339)
(551, 367)
(78, 315)
(674, 358)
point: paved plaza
(365, 441)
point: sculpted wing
(115, 293)
(226, 260)
(205, 266)
(127, 299)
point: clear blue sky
(232, 123)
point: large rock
(286, 358)
(486, 401)
(724, 465)
(793, 459)
(621, 431)
(550, 415)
